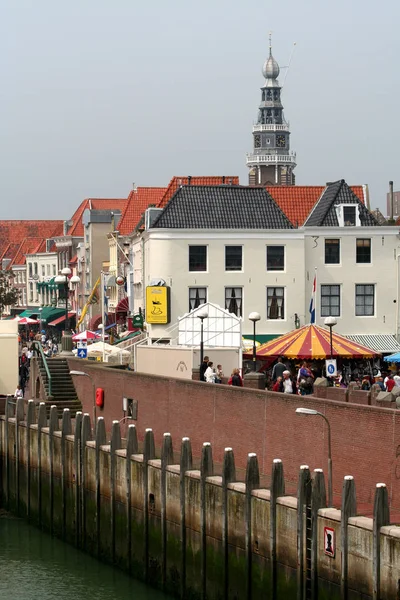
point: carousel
(313, 343)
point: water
(36, 566)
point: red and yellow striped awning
(313, 342)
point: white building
(233, 246)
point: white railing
(271, 158)
(271, 127)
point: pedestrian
(278, 369)
(305, 379)
(277, 384)
(379, 381)
(397, 379)
(43, 338)
(219, 374)
(18, 392)
(288, 384)
(203, 368)
(390, 383)
(235, 378)
(365, 383)
(209, 374)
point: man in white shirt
(288, 386)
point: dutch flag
(313, 300)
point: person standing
(278, 369)
(277, 385)
(209, 374)
(203, 368)
(235, 378)
(288, 384)
(219, 374)
(390, 383)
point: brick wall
(365, 439)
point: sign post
(331, 367)
(82, 350)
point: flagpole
(102, 312)
(316, 294)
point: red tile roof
(27, 246)
(203, 180)
(76, 229)
(297, 201)
(138, 201)
(19, 230)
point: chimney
(223, 179)
(189, 179)
(391, 200)
(112, 222)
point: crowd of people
(49, 345)
(211, 374)
(284, 381)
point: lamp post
(83, 374)
(330, 322)
(63, 279)
(203, 314)
(40, 319)
(254, 316)
(312, 412)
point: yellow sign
(157, 304)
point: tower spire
(271, 162)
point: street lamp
(312, 412)
(40, 319)
(330, 322)
(202, 314)
(254, 316)
(83, 374)
(63, 279)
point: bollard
(252, 483)
(228, 476)
(206, 470)
(101, 440)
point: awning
(61, 319)
(48, 313)
(384, 343)
(122, 306)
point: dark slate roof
(324, 213)
(222, 207)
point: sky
(96, 95)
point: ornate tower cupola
(271, 162)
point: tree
(9, 295)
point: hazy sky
(97, 94)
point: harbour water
(36, 566)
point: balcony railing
(270, 127)
(287, 159)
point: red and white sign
(329, 541)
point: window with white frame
(30, 269)
(48, 270)
(275, 258)
(197, 296)
(197, 258)
(233, 258)
(332, 251)
(234, 300)
(330, 300)
(363, 250)
(31, 291)
(24, 297)
(54, 270)
(275, 303)
(365, 300)
(43, 270)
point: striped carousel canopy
(313, 342)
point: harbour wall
(365, 439)
(189, 531)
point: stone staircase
(63, 393)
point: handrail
(37, 346)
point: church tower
(271, 162)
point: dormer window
(348, 215)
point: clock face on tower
(257, 141)
(280, 141)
